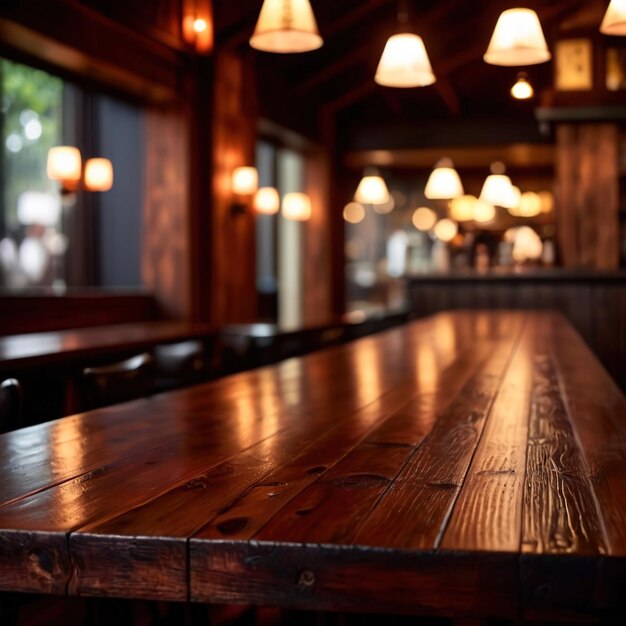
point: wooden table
(469, 464)
(42, 349)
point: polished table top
(467, 464)
(35, 349)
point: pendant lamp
(614, 22)
(286, 26)
(517, 40)
(404, 62)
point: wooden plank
(560, 514)
(331, 512)
(488, 512)
(414, 510)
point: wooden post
(587, 198)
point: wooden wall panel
(587, 198)
(166, 260)
(233, 287)
(316, 257)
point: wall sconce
(65, 166)
(297, 207)
(267, 201)
(244, 184)
(198, 25)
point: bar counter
(468, 464)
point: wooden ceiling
(338, 78)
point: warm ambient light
(267, 201)
(297, 206)
(372, 189)
(245, 181)
(98, 175)
(404, 63)
(444, 182)
(462, 208)
(517, 40)
(286, 26)
(446, 230)
(353, 213)
(424, 218)
(614, 22)
(522, 89)
(483, 212)
(529, 205)
(198, 24)
(65, 165)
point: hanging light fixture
(444, 182)
(404, 62)
(522, 89)
(372, 189)
(517, 40)
(286, 26)
(498, 188)
(614, 22)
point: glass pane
(32, 244)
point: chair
(180, 364)
(120, 382)
(10, 405)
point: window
(84, 239)
(280, 269)
(32, 244)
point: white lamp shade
(286, 26)
(517, 40)
(245, 181)
(404, 63)
(372, 190)
(462, 208)
(522, 89)
(64, 164)
(446, 230)
(498, 190)
(444, 182)
(267, 201)
(483, 212)
(353, 213)
(614, 22)
(424, 218)
(98, 175)
(297, 206)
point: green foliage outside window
(31, 105)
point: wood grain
(469, 465)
